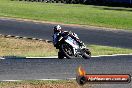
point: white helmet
(57, 28)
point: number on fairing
(71, 40)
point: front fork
(74, 51)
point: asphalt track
(98, 36)
(53, 68)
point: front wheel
(87, 54)
(67, 51)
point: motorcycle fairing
(72, 42)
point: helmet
(57, 28)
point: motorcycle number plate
(72, 42)
(70, 39)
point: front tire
(87, 54)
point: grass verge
(107, 50)
(32, 48)
(113, 17)
(25, 47)
(42, 84)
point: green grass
(23, 47)
(103, 16)
(107, 50)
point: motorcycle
(70, 48)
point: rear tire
(60, 55)
(67, 51)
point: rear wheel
(67, 50)
(87, 54)
(60, 55)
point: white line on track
(2, 58)
(39, 80)
(58, 79)
(10, 80)
(91, 56)
(42, 57)
(113, 55)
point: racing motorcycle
(70, 48)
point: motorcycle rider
(58, 32)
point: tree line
(95, 2)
